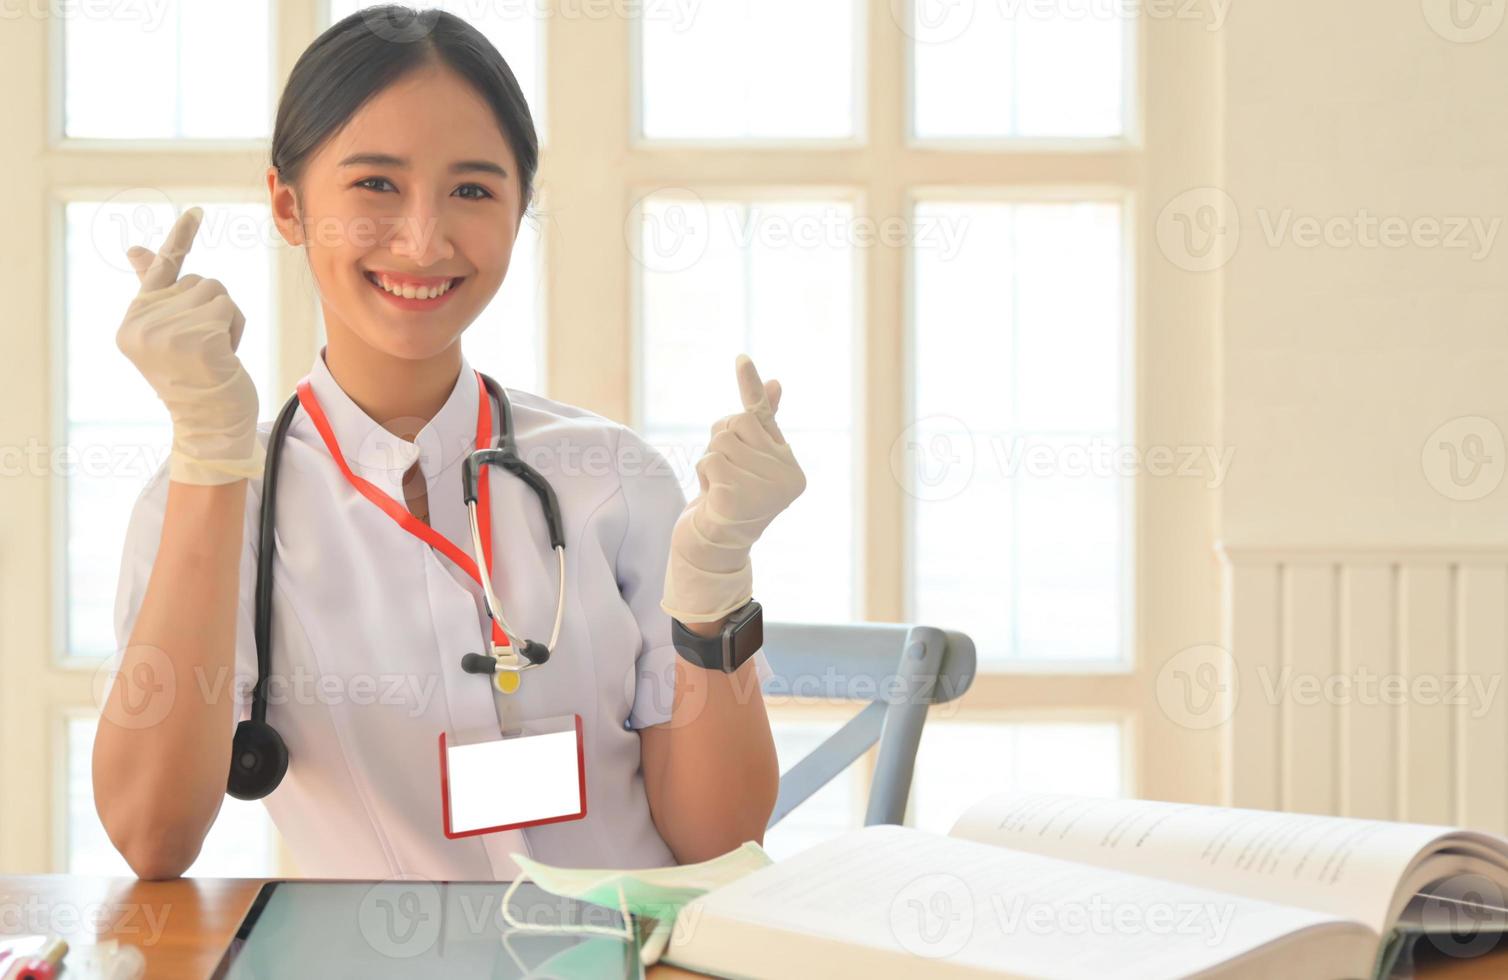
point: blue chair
(899, 669)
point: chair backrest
(899, 669)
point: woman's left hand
(748, 475)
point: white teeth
(410, 291)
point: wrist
(734, 643)
(707, 629)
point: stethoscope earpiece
(534, 652)
(258, 760)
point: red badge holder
(534, 777)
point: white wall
(1341, 360)
(1365, 306)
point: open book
(1032, 885)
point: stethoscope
(259, 756)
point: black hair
(369, 50)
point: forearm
(162, 749)
(720, 777)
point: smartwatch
(741, 638)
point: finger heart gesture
(747, 476)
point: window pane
(174, 69)
(959, 763)
(833, 809)
(1051, 68)
(515, 28)
(708, 74)
(242, 843)
(507, 339)
(774, 280)
(1016, 466)
(117, 432)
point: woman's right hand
(182, 334)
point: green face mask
(657, 893)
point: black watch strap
(741, 637)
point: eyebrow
(388, 160)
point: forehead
(431, 117)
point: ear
(283, 199)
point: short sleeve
(143, 536)
(653, 500)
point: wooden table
(182, 926)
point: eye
(485, 192)
(367, 180)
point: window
(961, 762)
(139, 73)
(959, 343)
(116, 434)
(761, 277)
(1020, 520)
(1036, 69)
(744, 57)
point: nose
(421, 236)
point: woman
(403, 161)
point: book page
(1338, 865)
(967, 906)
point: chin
(410, 343)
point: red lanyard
(399, 512)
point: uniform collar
(380, 456)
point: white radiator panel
(1370, 684)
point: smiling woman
(389, 131)
(402, 166)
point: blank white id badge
(522, 780)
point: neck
(400, 394)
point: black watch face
(748, 638)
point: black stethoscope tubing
(259, 756)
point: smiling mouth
(414, 294)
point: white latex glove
(182, 336)
(748, 475)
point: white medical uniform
(369, 626)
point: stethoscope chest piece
(258, 760)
